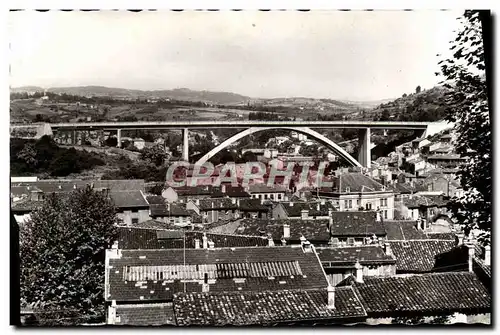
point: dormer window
(348, 190)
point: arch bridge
(251, 127)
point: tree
(418, 89)
(28, 155)
(155, 154)
(468, 108)
(62, 253)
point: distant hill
(26, 89)
(176, 94)
(428, 105)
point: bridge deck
(237, 124)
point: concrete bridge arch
(303, 130)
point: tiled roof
(141, 238)
(263, 188)
(155, 275)
(145, 238)
(313, 230)
(404, 188)
(314, 208)
(260, 308)
(232, 192)
(252, 205)
(357, 182)
(155, 224)
(441, 236)
(432, 292)
(356, 224)
(425, 201)
(401, 230)
(418, 255)
(365, 254)
(192, 191)
(146, 314)
(128, 199)
(164, 210)
(155, 200)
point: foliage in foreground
(469, 110)
(62, 252)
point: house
(426, 207)
(356, 228)
(406, 177)
(441, 184)
(355, 191)
(173, 213)
(297, 210)
(131, 206)
(339, 263)
(214, 210)
(262, 191)
(186, 193)
(452, 297)
(138, 282)
(445, 160)
(228, 191)
(254, 208)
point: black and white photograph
(255, 168)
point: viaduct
(305, 127)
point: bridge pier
(185, 144)
(364, 153)
(118, 138)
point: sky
(355, 55)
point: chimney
(424, 223)
(419, 224)
(330, 217)
(211, 244)
(460, 239)
(233, 201)
(331, 297)
(197, 201)
(205, 241)
(270, 241)
(378, 216)
(283, 241)
(307, 247)
(262, 201)
(359, 272)
(322, 201)
(74, 186)
(286, 230)
(318, 206)
(291, 203)
(487, 255)
(471, 255)
(223, 188)
(238, 202)
(304, 214)
(60, 187)
(388, 250)
(197, 243)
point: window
(368, 206)
(266, 196)
(358, 202)
(385, 213)
(135, 221)
(350, 203)
(279, 196)
(345, 204)
(350, 241)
